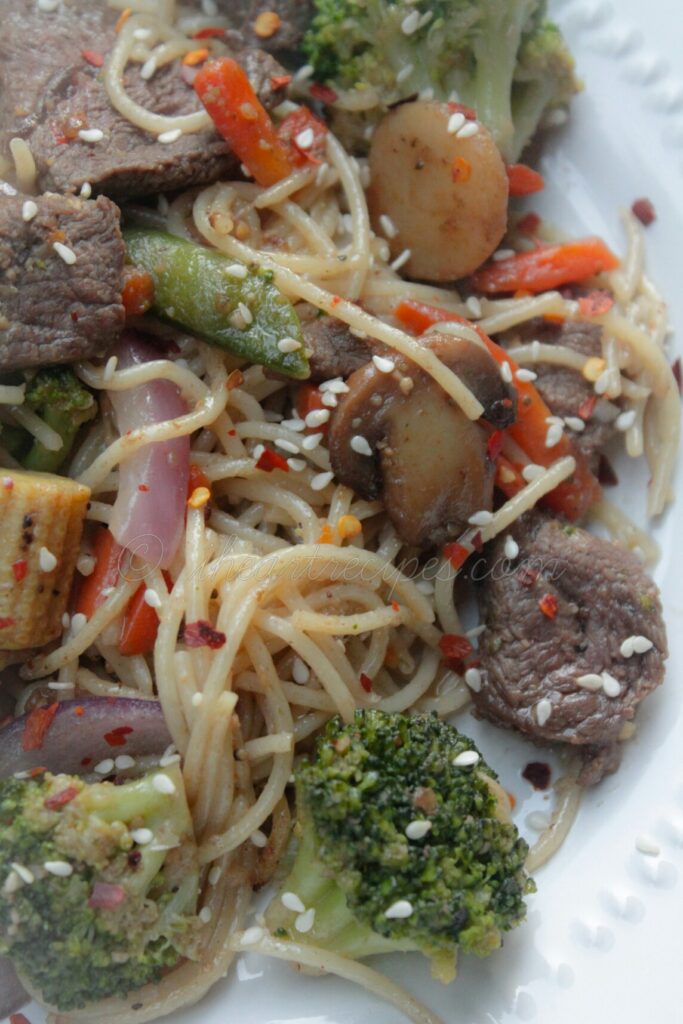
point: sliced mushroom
(446, 194)
(335, 351)
(398, 435)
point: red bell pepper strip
(523, 180)
(89, 589)
(239, 116)
(295, 129)
(310, 399)
(140, 623)
(547, 267)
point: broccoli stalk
(59, 398)
(502, 58)
(370, 886)
(98, 883)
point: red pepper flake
(202, 634)
(117, 737)
(596, 303)
(676, 370)
(18, 1018)
(210, 32)
(365, 682)
(57, 800)
(529, 223)
(106, 896)
(453, 646)
(35, 772)
(587, 407)
(477, 542)
(79, 711)
(554, 318)
(527, 577)
(143, 487)
(494, 445)
(323, 93)
(548, 605)
(395, 606)
(644, 211)
(93, 57)
(232, 433)
(606, 474)
(280, 81)
(461, 170)
(270, 460)
(86, 761)
(468, 112)
(19, 569)
(457, 554)
(8, 483)
(6, 622)
(336, 299)
(37, 723)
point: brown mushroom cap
(429, 461)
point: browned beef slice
(603, 596)
(336, 352)
(48, 91)
(51, 311)
(295, 17)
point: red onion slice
(149, 511)
(12, 994)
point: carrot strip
(140, 623)
(137, 295)
(310, 399)
(547, 267)
(523, 180)
(90, 589)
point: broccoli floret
(98, 883)
(505, 59)
(59, 398)
(455, 881)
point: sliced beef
(52, 311)
(284, 34)
(49, 90)
(565, 390)
(602, 596)
(336, 352)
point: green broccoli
(400, 846)
(59, 398)
(98, 883)
(502, 57)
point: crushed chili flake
(106, 896)
(456, 554)
(143, 487)
(267, 23)
(134, 858)
(235, 380)
(232, 433)
(512, 798)
(117, 737)
(527, 577)
(477, 542)
(202, 634)
(644, 211)
(395, 606)
(548, 605)
(529, 223)
(35, 772)
(453, 646)
(468, 112)
(19, 569)
(270, 460)
(79, 711)
(336, 299)
(123, 18)
(18, 1018)
(461, 170)
(279, 81)
(93, 57)
(554, 318)
(323, 93)
(596, 303)
(606, 474)
(676, 370)
(86, 761)
(210, 32)
(195, 57)
(587, 407)
(36, 726)
(61, 799)
(8, 483)
(494, 445)
(365, 682)
(326, 535)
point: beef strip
(565, 390)
(335, 351)
(295, 17)
(48, 91)
(52, 311)
(603, 596)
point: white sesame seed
(86, 190)
(142, 836)
(142, 33)
(105, 767)
(24, 874)
(60, 868)
(476, 631)
(405, 72)
(456, 122)
(237, 270)
(304, 72)
(296, 425)
(418, 829)
(91, 134)
(589, 681)
(330, 400)
(287, 446)
(168, 759)
(554, 435)
(164, 785)
(63, 684)
(288, 345)
(401, 259)
(641, 644)
(503, 254)
(259, 838)
(410, 23)
(321, 480)
(257, 452)
(336, 385)
(482, 518)
(46, 560)
(535, 350)
(300, 671)
(387, 225)
(383, 364)
(64, 252)
(317, 417)
(466, 759)
(625, 420)
(165, 138)
(291, 901)
(474, 307)
(151, 598)
(537, 821)
(78, 621)
(29, 210)
(473, 679)
(123, 762)
(148, 69)
(297, 465)
(360, 445)
(245, 313)
(215, 874)
(511, 547)
(526, 376)
(647, 846)
(506, 372)
(610, 685)
(110, 368)
(399, 909)
(602, 383)
(48, 6)
(426, 94)
(312, 441)
(305, 921)
(543, 710)
(467, 130)
(66, 618)
(575, 423)
(532, 472)
(425, 18)
(205, 915)
(305, 139)
(197, 699)
(252, 935)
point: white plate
(601, 941)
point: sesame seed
(168, 759)
(245, 313)
(575, 423)
(91, 134)
(312, 441)
(288, 345)
(104, 767)
(387, 225)
(151, 598)
(602, 383)
(466, 759)
(383, 364)
(399, 909)
(296, 465)
(625, 420)
(476, 631)
(474, 307)
(197, 699)
(589, 681)
(291, 901)
(60, 868)
(205, 915)
(543, 709)
(647, 846)
(305, 921)
(305, 139)
(317, 417)
(61, 685)
(78, 621)
(506, 372)
(610, 685)
(303, 73)
(336, 385)
(410, 23)
(426, 94)
(537, 821)
(468, 130)
(252, 935)
(48, 6)
(405, 72)
(29, 210)
(330, 400)
(532, 472)
(64, 252)
(259, 838)
(215, 874)
(258, 451)
(511, 547)
(110, 368)
(418, 829)
(148, 69)
(142, 836)
(300, 671)
(526, 376)
(425, 18)
(170, 136)
(296, 425)
(503, 254)
(86, 190)
(554, 435)
(456, 122)
(24, 874)
(123, 762)
(635, 645)
(46, 560)
(482, 518)
(321, 480)
(401, 260)
(164, 785)
(66, 618)
(237, 270)
(473, 679)
(360, 444)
